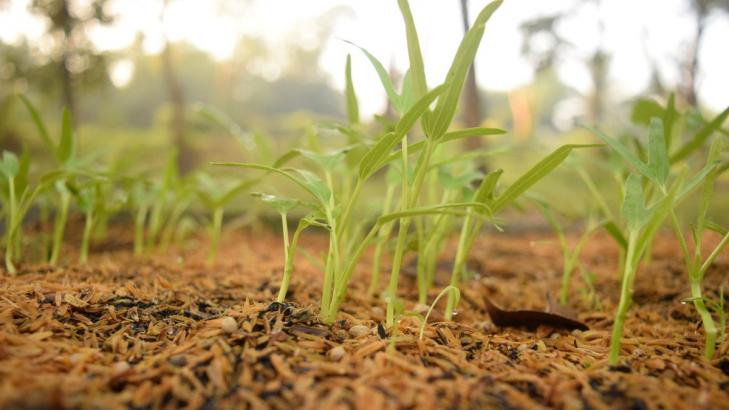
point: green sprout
(696, 265)
(640, 222)
(215, 197)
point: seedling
(18, 197)
(215, 197)
(570, 255)
(641, 222)
(283, 206)
(65, 155)
(696, 265)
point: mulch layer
(168, 332)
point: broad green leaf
(39, 124)
(708, 188)
(417, 68)
(327, 161)
(9, 165)
(658, 152)
(351, 96)
(445, 109)
(315, 185)
(669, 119)
(698, 140)
(485, 191)
(633, 208)
(67, 145)
(407, 95)
(536, 173)
(384, 78)
(614, 231)
(464, 180)
(305, 185)
(644, 109)
(624, 153)
(281, 204)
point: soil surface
(167, 331)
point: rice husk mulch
(167, 331)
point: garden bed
(167, 331)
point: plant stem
(9, 240)
(85, 241)
(708, 322)
(383, 234)
(626, 297)
(215, 229)
(290, 253)
(139, 230)
(60, 227)
(402, 234)
(570, 260)
(461, 254)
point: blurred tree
(546, 47)
(690, 67)
(74, 56)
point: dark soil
(168, 332)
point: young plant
(696, 265)
(90, 199)
(18, 197)
(215, 197)
(641, 222)
(283, 206)
(570, 255)
(65, 155)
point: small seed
(522, 347)
(335, 354)
(119, 368)
(655, 364)
(359, 330)
(228, 325)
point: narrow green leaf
(351, 96)
(700, 137)
(449, 136)
(446, 108)
(633, 208)
(533, 175)
(281, 204)
(384, 78)
(658, 152)
(39, 124)
(485, 191)
(624, 153)
(374, 157)
(418, 109)
(417, 68)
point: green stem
(341, 289)
(215, 228)
(344, 220)
(461, 254)
(290, 253)
(383, 233)
(139, 220)
(626, 297)
(569, 267)
(86, 239)
(10, 223)
(60, 227)
(401, 236)
(708, 322)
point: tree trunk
(692, 67)
(471, 102)
(175, 93)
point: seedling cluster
(429, 192)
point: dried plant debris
(124, 333)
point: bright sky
(664, 27)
